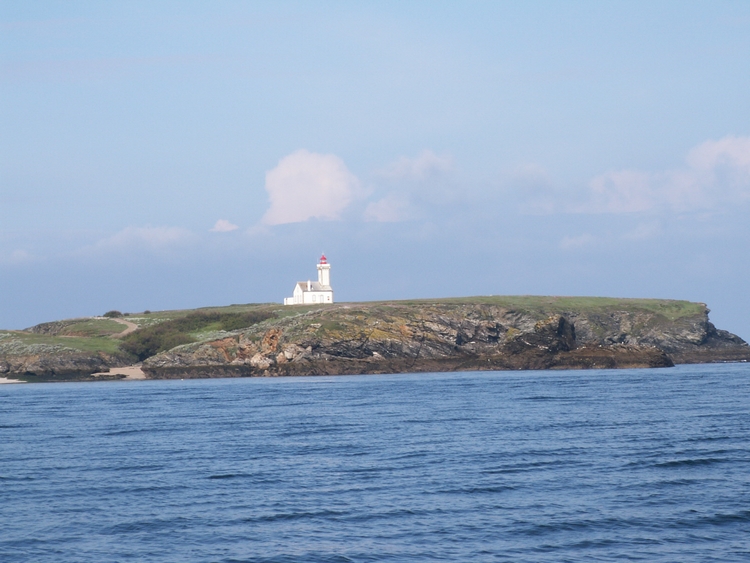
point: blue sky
(169, 155)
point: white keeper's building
(314, 293)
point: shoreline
(125, 373)
(131, 373)
(135, 373)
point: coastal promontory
(458, 334)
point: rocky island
(477, 333)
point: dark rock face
(60, 365)
(393, 338)
(396, 337)
(690, 339)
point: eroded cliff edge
(460, 334)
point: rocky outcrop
(687, 339)
(59, 365)
(445, 336)
(484, 333)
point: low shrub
(149, 341)
(112, 314)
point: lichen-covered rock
(388, 337)
(72, 364)
(439, 336)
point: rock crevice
(384, 338)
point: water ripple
(631, 465)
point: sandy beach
(131, 373)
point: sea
(597, 465)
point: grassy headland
(110, 340)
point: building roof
(314, 286)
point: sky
(163, 155)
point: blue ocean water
(631, 465)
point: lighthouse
(324, 272)
(314, 293)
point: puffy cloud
(532, 184)
(643, 231)
(421, 167)
(152, 239)
(411, 187)
(224, 226)
(731, 152)
(622, 191)
(393, 207)
(717, 173)
(306, 185)
(18, 256)
(724, 163)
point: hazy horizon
(180, 155)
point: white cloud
(147, 238)
(623, 191)
(419, 168)
(730, 152)
(532, 184)
(571, 243)
(18, 256)
(224, 226)
(411, 187)
(306, 185)
(393, 207)
(724, 163)
(643, 231)
(716, 173)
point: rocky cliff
(479, 333)
(43, 362)
(460, 334)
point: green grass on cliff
(187, 328)
(92, 328)
(25, 343)
(669, 308)
(190, 325)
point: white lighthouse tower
(324, 272)
(314, 293)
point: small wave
(519, 467)
(124, 432)
(540, 529)
(143, 467)
(701, 521)
(720, 519)
(289, 516)
(709, 439)
(228, 476)
(256, 478)
(318, 557)
(477, 490)
(145, 525)
(690, 462)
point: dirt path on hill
(130, 327)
